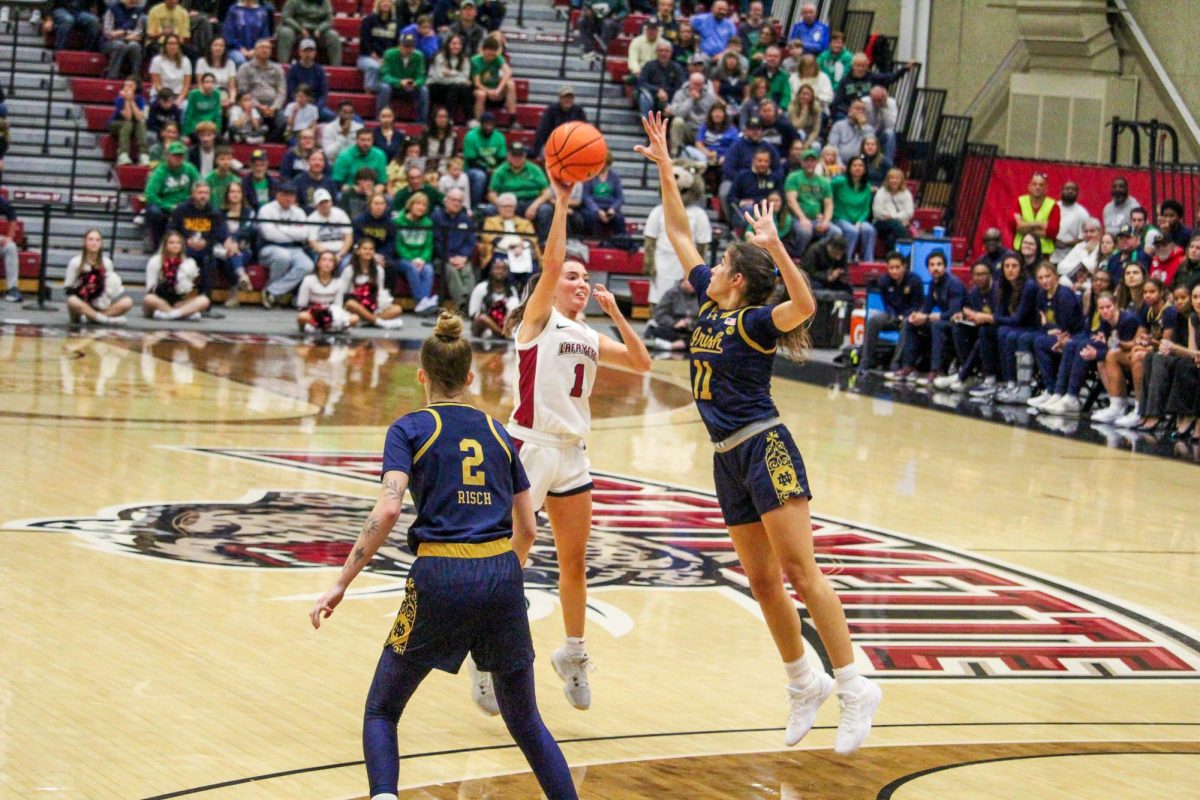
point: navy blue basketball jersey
(732, 356)
(463, 473)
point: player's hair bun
(449, 327)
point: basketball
(575, 152)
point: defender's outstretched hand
(562, 191)
(762, 220)
(657, 151)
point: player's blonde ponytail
(446, 356)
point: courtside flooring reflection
(174, 502)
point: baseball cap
(697, 59)
(1126, 230)
(487, 116)
(517, 149)
(176, 149)
(754, 122)
(408, 38)
(258, 155)
(1155, 238)
(321, 195)
(288, 187)
(809, 153)
(467, 3)
(650, 23)
(565, 90)
(308, 44)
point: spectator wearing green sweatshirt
(529, 183)
(364, 153)
(414, 250)
(169, 184)
(203, 104)
(402, 76)
(309, 19)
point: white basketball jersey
(556, 372)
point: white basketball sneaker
(1115, 410)
(574, 672)
(805, 703)
(481, 689)
(855, 723)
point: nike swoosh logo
(560, 327)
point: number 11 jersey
(732, 357)
(556, 373)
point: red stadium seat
(928, 217)
(364, 104)
(348, 7)
(962, 272)
(637, 261)
(79, 62)
(529, 116)
(958, 249)
(639, 292)
(619, 47)
(618, 68)
(522, 85)
(341, 79)
(97, 117)
(132, 177)
(347, 27)
(525, 137)
(14, 230)
(608, 260)
(31, 264)
(95, 90)
(632, 24)
(864, 272)
(258, 276)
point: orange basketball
(575, 152)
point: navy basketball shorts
(454, 606)
(759, 475)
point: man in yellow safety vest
(1037, 214)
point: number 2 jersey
(555, 376)
(463, 473)
(732, 356)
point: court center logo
(916, 609)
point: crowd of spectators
(1113, 298)
(439, 208)
(799, 120)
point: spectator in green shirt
(169, 184)
(530, 185)
(492, 78)
(221, 178)
(810, 200)
(484, 149)
(203, 104)
(364, 153)
(835, 62)
(402, 75)
(415, 183)
(852, 198)
(414, 250)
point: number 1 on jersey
(702, 382)
(577, 389)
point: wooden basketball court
(173, 503)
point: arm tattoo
(393, 490)
(359, 554)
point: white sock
(165, 315)
(799, 673)
(575, 646)
(384, 797)
(849, 680)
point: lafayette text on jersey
(463, 473)
(556, 373)
(732, 355)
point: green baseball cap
(809, 153)
(176, 149)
